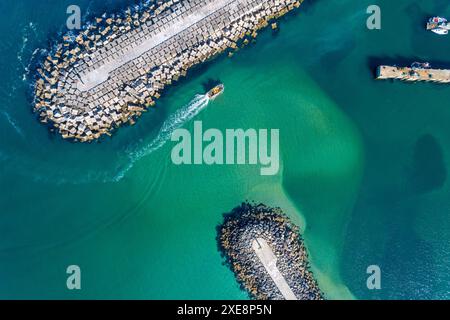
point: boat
(438, 25)
(440, 31)
(420, 65)
(437, 20)
(215, 92)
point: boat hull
(215, 92)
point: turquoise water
(364, 164)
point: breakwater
(118, 66)
(267, 254)
(413, 74)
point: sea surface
(364, 164)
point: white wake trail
(13, 123)
(173, 122)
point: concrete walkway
(101, 74)
(269, 261)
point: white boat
(440, 31)
(420, 65)
(438, 25)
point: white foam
(173, 122)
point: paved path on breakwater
(269, 261)
(101, 74)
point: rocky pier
(413, 74)
(115, 68)
(267, 254)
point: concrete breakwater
(267, 254)
(413, 74)
(116, 68)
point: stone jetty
(267, 254)
(115, 68)
(413, 74)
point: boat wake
(173, 122)
(13, 123)
(127, 157)
(29, 31)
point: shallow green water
(356, 175)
